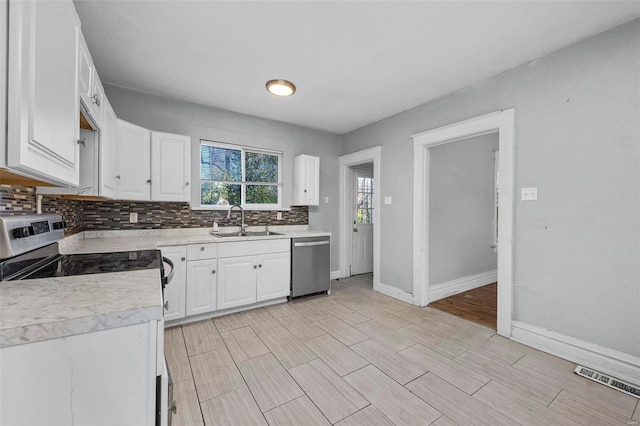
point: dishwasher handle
(311, 243)
(166, 279)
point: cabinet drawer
(250, 248)
(202, 251)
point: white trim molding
(501, 122)
(395, 292)
(617, 364)
(459, 285)
(369, 155)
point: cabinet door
(43, 91)
(134, 162)
(175, 291)
(237, 283)
(274, 276)
(201, 287)
(170, 167)
(306, 180)
(85, 75)
(109, 153)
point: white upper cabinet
(134, 162)
(43, 91)
(85, 74)
(306, 180)
(3, 82)
(170, 167)
(109, 152)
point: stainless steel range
(29, 249)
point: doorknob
(354, 222)
(355, 229)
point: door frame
(346, 161)
(501, 122)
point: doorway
(502, 123)
(348, 163)
(362, 215)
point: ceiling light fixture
(281, 87)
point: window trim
(243, 183)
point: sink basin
(248, 234)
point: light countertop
(49, 308)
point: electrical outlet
(279, 216)
(529, 194)
(326, 200)
(133, 217)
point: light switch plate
(133, 217)
(529, 194)
(279, 216)
(387, 200)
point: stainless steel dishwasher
(310, 264)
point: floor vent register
(612, 382)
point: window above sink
(234, 174)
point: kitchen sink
(248, 234)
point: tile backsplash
(88, 215)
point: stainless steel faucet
(242, 225)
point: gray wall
(576, 249)
(461, 208)
(200, 122)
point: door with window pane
(363, 217)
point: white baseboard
(446, 289)
(334, 275)
(394, 292)
(617, 364)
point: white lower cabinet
(201, 287)
(221, 276)
(106, 377)
(237, 284)
(175, 291)
(274, 276)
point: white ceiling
(353, 63)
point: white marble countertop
(49, 308)
(110, 241)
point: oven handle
(166, 279)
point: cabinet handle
(148, 180)
(255, 267)
(305, 190)
(118, 177)
(82, 142)
(201, 248)
(213, 271)
(260, 266)
(95, 99)
(186, 184)
(183, 259)
(166, 305)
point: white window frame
(243, 183)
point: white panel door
(363, 216)
(134, 162)
(109, 153)
(43, 91)
(237, 283)
(175, 291)
(170, 167)
(201, 287)
(274, 276)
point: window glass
(239, 175)
(364, 194)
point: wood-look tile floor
(361, 358)
(478, 305)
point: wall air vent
(620, 385)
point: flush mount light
(281, 87)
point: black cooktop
(95, 263)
